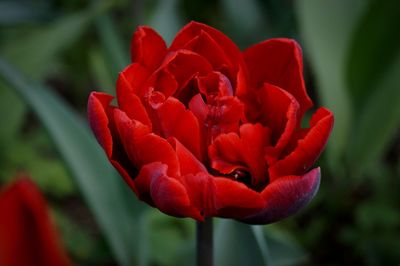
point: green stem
(205, 243)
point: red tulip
(202, 129)
(27, 235)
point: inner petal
(241, 156)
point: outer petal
(171, 197)
(147, 48)
(101, 120)
(144, 147)
(235, 200)
(27, 233)
(286, 196)
(308, 148)
(129, 83)
(279, 62)
(143, 180)
(219, 196)
(97, 104)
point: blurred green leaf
(379, 121)
(283, 248)
(32, 154)
(117, 56)
(246, 15)
(12, 12)
(373, 48)
(101, 72)
(77, 241)
(236, 244)
(39, 47)
(108, 197)
(15, 110)
(166, 236)
(326, 28)
(165, 19)
(373, 73)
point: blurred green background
(54, 52)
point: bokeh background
(54, 52)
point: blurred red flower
(202, 129)
(27, 234)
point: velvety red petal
(206, 34)
(254, 139)
(175, 73)
(308, 148)
(200, 36)
(27, 233)
(279, 62)
(176, 121)
(218, 116)
(171, 197)
(103, 127)
(285, 196)
(215, 84)
(206, 46)
(147, 48)
(144, 147)
(143, 180)
(225, 153)
(201, 190)
(230, 152)
(129, 82)
(219, 196)
(97, 104)
(189, 164)
(279, 112)
(235, 200)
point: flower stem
(205, 243)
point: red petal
(229, 152)
(279, 62)
(147, 48)
(215, 83)
(105, 132)
(143, 181)
(285, 196)
(308, 148)
(207, 36)
(189, 164)
(279, 112)
(176, 121)
(201, 190)
(218, 196)
(225, 153)
(143, 147)
(27, 233)
(171, 197)
(129, 82)
(97, 104)
(204, 45)
(235, 200)
(203, 36)
(176, 71)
